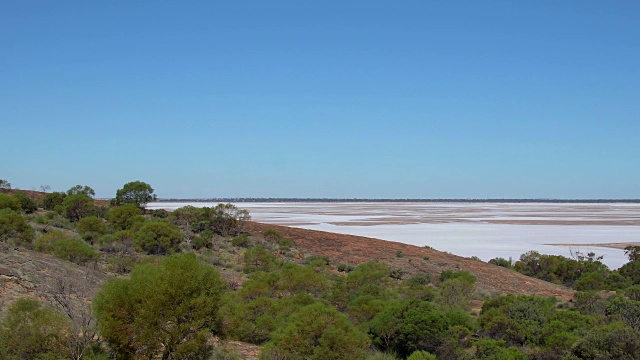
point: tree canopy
(165, 310)
(136, 192)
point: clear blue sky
(423, 99)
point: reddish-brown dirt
(353, 250)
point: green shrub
(198, 242)
(160, 213)
(421, 278)
(15, 228)
(9, 202)
(32, 331)
(74, 250)
(285, 244)
(91, 228)
(272, 235)
(324, 260)
(125, 216)
(27, 204)
(345, 268)
(317, 331)
(51, 200)
(44, 242)
(421, 355)
(460, 275)
(241, 241)
(397, 273)
(157, 237)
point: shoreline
(621, 245)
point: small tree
(4, 185)
(84, 190)
(136, 192)
(27, 204)
(157, 237)
(32, 331)
(78, 206)
(9, 202)
(91, 228)
(317, 332)
(51, 200)
(14, 226)
(166, 310)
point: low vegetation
(182, 279)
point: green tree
(27, 204)
(258, 259)
(136, 192)
(166, 310)
(157, 237)
(4, 185)
(91, 228)
(84, 190)
(78, 206)
(15, 227)
(409, 325)
(610, 341)
(32, 331)
(317, 332)
(125, 216)
(227, 219)
(9, 202)
(51, 200)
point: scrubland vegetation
(183, 278)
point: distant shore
(341, 200)
(621, 245)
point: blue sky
(393, 99)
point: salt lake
(485, 230)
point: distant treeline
(338, 200)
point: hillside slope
(353, 250)
(26, 273)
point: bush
(32, 331)
(160, 213)
(285, 244)
(77, 207)
(157, 237)
(317, 332)
(125, 216)
(421, 355)
(345, 268)
(51, 200)
(74, 250)
(258, 259)
(91, 228)
(323, 260)
(198, 242)
(44, 242)
(461, 275)
(174, 302)
(421, 278)
(241, 241)
(27, 204)
(397, 273)
(272, 235)
(9, 202)
(502, 262)
(15, 228)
